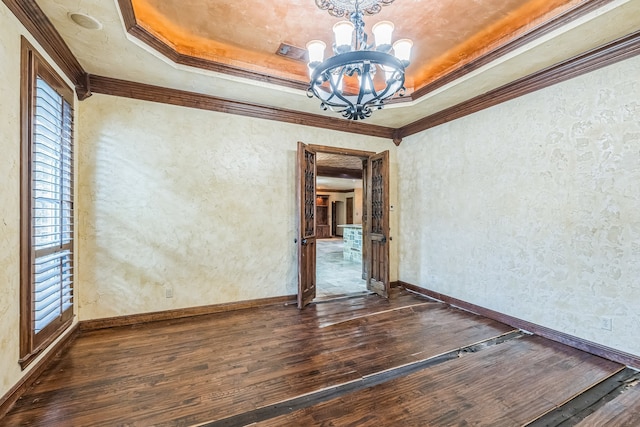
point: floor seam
(584, 404)
(309, 399)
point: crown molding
(553, 24)
(608, 54)
(40, 27)
(134, 29)
(145, 92)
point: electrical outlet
(168, 292)
(606, 323)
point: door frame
(364, 156)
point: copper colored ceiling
(447, 34)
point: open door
(376, 224)
(306, 195)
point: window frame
(33, 65)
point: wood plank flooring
(507, 385)
(623, 411)
(356, 361)
(197, 370)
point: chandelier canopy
(360, 76)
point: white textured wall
(199, 201)
(532, 207)
(10, 32)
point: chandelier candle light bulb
(383, 31)
(343, 34)
(402, 50)
(348, 82)
(315, 48)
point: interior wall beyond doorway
(339, 198)
(340, 217)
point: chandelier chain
(343, 8)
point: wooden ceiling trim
(217, 67)
(128, 89)
(40, 27)
(333, 190)
(610, 53)
(551, 25)
(564, 18)
(334, 172)
(137, 31)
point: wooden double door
(375, 219)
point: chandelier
(360, 76)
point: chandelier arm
(356, 57)
(346, 103)
(365, 81)
(357, 106)
(336, 92)
(390, 88)
(328, 101)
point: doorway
(369, 212)
(339, 256)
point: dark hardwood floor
(356, 361)
(624, 410)
(510, 384)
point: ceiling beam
(337, 172)
(333, 190)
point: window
(46, 205)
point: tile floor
(335, 275)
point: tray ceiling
(459, 51)
(447, 34)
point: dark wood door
(306, 192)
(349, 210)
(376, 226)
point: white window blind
(52, 206)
